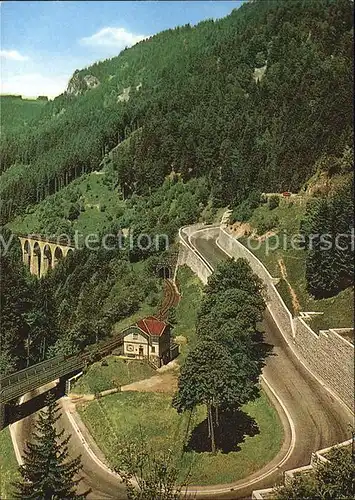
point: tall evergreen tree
(47, 473)
(328, 228)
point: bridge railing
(54, 240)
(24, 374)
(15, 385)
(31, 383)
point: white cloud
(13, 55)
(117, 38)
(34, 84)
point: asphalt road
(319, 420)
(102, 484)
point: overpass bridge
(60, 367)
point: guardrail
(15, 385)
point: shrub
(274, 202)
(265, 225)
(74, 211)
(242, 212)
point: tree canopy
(222, 370)
(327, 481)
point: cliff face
(79, 85)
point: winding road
(319, 420)
(312, 418)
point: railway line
(17, 384)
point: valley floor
(247, 440)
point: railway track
(31, 378)
(171, 299)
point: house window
(135, 336)
(153, 348)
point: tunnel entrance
(164, 271)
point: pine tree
(47, 473)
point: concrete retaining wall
(328, 355)
(276, 305)
(189, 257)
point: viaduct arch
(39, 254)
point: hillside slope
(247, 101)
(169, 133)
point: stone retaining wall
(189, 257)
(327, 354)
(330, 356)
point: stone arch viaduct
(40, 254)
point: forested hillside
(190, 121)
(17, 112)
(247, 101)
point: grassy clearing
(110, 373)
(8, 465)
(99, 202)
(186, 312)
(339, 310)
(130, 415)
(255, 451)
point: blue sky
(43, 42)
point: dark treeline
(328, 227)
(199, 107)
(78, 302)
(27, 312)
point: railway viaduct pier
(40, 254)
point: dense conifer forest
(247, 101)
(188, 121)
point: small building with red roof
(149, 338)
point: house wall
(130, 340)
(155, 344)
(135, 337)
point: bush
(274, 202)
(74, 212)
(242, 212)
(254, 199)
(265, 225)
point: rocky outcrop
(124, 97)
(79, 84)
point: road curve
(103, 484)
(319, 420)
